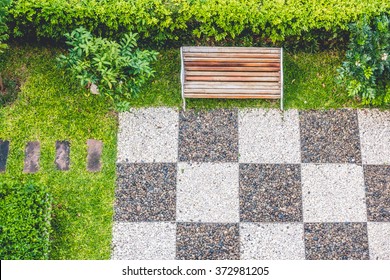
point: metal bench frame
(240, 80)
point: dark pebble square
(336, 241)
(145, 192)
(208, 136)
(377, 182)
(4, 149)
(270, 193)
(204, 241)
(330, 136)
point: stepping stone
(62, 155)
(31, 160)
(4, 148)
(94, 153)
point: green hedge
(188, 20)
(25, 212)
(3, 27)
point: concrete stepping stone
(95, 148)
(62, 160)
(31, 160)
(4, 148)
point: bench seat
(232, 72)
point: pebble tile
(374, 128)
(62, 160)
(336, 241)
(31, 160)
(208, 136)
(4, 149)
(207, 192)
(377, 180)
(148, 135)
(270, 193)
(95, 148)
(330, 136)
(144, 241)
(203, 241)
(333, 193)
(145, 192)
(272, 241)
(379, 238)
(269, 136)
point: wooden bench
(231, 72)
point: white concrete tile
(269, 136)
(379, 240)
(333, 193)
(374, 129)
(207, 192)
(144, 241)
(272, 241)
(148, 135)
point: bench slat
(237, 85)
(230, 59)
(229, 55)
(232, 79)
(232, 91)
(233, 69)
(230, 50)
(235, 96)
(232, 64)
(234, 74)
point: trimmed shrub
(366, 70)
(189, 20)
(117, 70)
(3, 27)
(25, 213)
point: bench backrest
(232, 72)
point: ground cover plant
(25, 214)
(366, 70)
(115, 69)
(51, 107)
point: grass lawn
(51, 107)
(47, 109)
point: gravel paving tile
(95, 148)
(270, 193)
(148, 135)
(62, 160)
(336, 241)
(31, 160)
(379, 240)
(202, 241)
(208, 136)
(269, 136)
(145, 192)
(377, 180)
(207, 192)
(333, 193)
(272, 241)
(330, 136)
(4, 149)
(144, 241)
(374, 128)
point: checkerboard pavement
(252, 184)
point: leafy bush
(25, 213)
(117, 70)
(366, 70)
(189, 20)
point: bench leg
(184, 104)
(281, 104)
